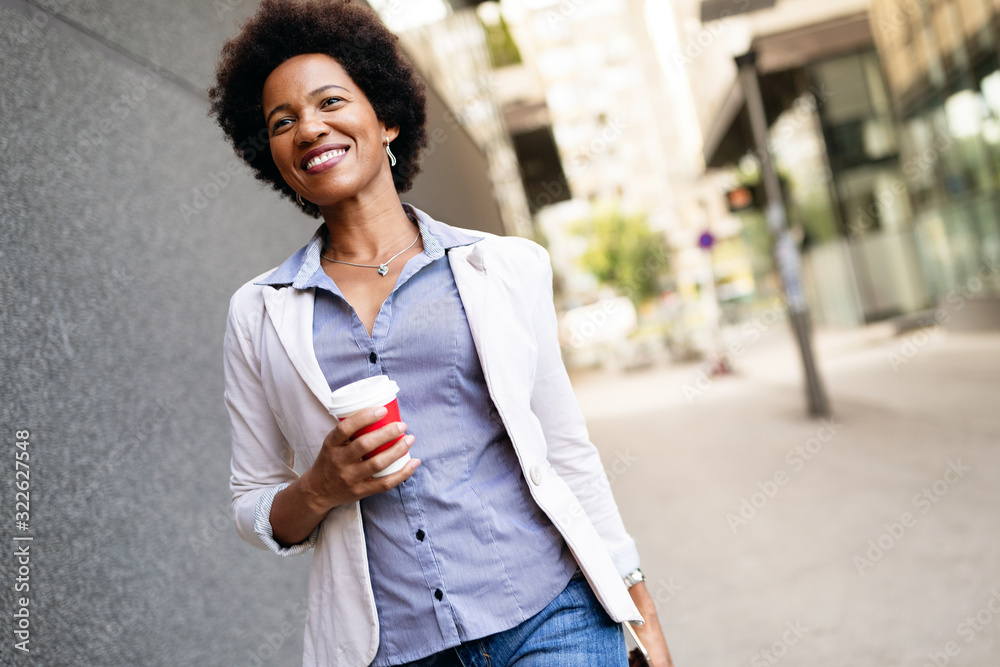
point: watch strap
(634, 577)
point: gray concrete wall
(113, 298)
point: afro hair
(350, 33)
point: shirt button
(438, 594)
(373, 357)
(536, 475)
(420, 535)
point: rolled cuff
(626, 560)
(262, 525)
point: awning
(713, 10)
(729, 137)
(724, 142)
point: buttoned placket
(423, 546)
(371, 347)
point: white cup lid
(367, 393)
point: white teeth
(323, 157)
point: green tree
(623, 252)
(503, 49)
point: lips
(321, 156)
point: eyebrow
(285, 107)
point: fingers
(347, 472)
(352, 453)
(362, 482)
(380, 484)
(384, 459)
(363, 445)
(348, 426)
(401, 476)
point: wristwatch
(634, 577)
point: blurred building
(882, 147)
(831, 135)
(941, 63)
(449, 45)
(596, 120)
(590, 74)
(577, 105)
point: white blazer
(278, 397)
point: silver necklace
(383, 268)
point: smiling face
(326, 140)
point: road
(769, 538)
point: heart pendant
(383, 269)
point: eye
(330, 101)
(280, 123)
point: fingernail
(381, 412)
(401, 427)
(408, 440)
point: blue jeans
(572, 631)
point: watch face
(634, 577)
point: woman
(501, 544)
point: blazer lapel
(291, 312)
(468, 267)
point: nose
(311, 127)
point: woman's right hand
(340, 475)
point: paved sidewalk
(769, 538)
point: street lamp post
(786, 254)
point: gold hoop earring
(392, 158)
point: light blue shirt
(460, 550)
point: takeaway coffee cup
(371, 393)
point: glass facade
(941, 63)
(836, 146)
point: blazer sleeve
(570, 451)
(262, 461)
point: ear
(389, 133)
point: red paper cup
(369, 393)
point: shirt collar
(301, 269)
